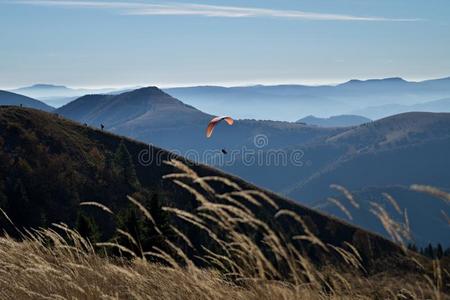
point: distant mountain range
(373, 98)
(376, 112)
(335, 121)
(8, 98)
(288, 102)
(51, 90)
(58, 95)
(396, 151)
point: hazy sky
(112, 43)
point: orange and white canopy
(212, 124)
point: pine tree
(20, 206)
(108, 168)
(87, 227)
(447, 252)
(429, 251)
(130, 221)
(140, 228)
(3, 198)
(412, 247)
(439, 251)
(161, 218)
(123, 164)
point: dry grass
(60, 264)
(71, 269)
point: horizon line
(226, 84)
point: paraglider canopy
(212, 124)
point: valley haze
(372, 98)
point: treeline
(430, 251)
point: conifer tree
(19, 205)
(123, 164)
(87, 227)
(429, 251)
(439, 251)
(142, 229)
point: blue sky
(235, 42)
